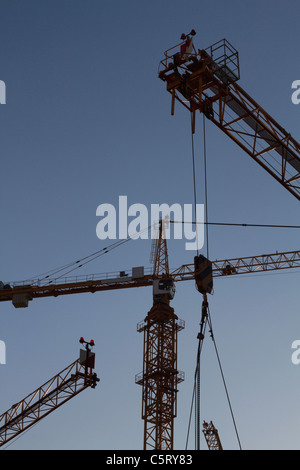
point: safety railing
(108, 276)
(225, 61)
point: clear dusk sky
(87, 120)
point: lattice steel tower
(160, 376)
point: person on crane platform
(187, 47)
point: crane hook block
(203, 274)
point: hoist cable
(196, 389)
(229, 224)
(205, 186)
(194, 178)
(197, 373)
(223, 378)
(85, 260)
(99, 253)
(195, 402)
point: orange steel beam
(54, 393)
(160, 376)
(237, 266)
(211, 436)
(159, 253)
(225, 267)
(198, 82)
(64, 288)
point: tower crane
(206, 80)
(65, 385)
(203, 80)
(211, 436)
(20, 293)
(160, 375)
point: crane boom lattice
(205, 80)
(211, 436)
(95, 283)
(160, 376)
(55, 392)
(159, 254)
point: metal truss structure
(55, 392)
(205, 80)
(160, 376)
(211, 436)
(95, 283)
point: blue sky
(87, 120)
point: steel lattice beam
(160, 376)
(199, 82)
(54, 393)
(211, 436)
(225, 267)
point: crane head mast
(163, 284)
(190, 74)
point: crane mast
(159, 252)
(160, 376)
(48, 397)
